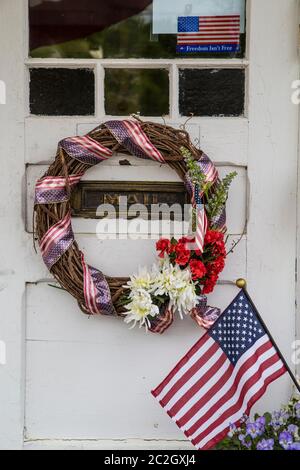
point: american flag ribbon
(56, 241)
(53, 189)
(204, 315)
(163, 321)
(208, 168)
(201, 220)
(85, 149)
(223, 375)
(96, 291)
(131, 135)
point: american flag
(201, 220)
(208, 30)
(222, 376)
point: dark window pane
(62, 92)
(210, 92)
(134, 28)
(130, 91)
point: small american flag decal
(208, 33)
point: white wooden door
(88, 381)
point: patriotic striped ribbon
(130, 134)
(53, 189)
(96, 291)
(211, 173)
(163, 321)
(204, 315)
(201, 220)
(57, 241)
(85, 149)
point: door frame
(273, 140)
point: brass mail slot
(89, 195)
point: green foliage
(194, 171)
(214, 201)
(217, 200)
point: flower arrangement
(183, 273)
(276, 431)
(150, 291)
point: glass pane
(130, 91)
(210, 92)
(62, 92)
(137, 28)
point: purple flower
(279, 418)
(245, 419)
(297, 410)
(285, 440)
(265, 444)
(245, 443)
(261, 424)
(254, 430)
(232, 430)
(293, 429)
(294, 446)
(261, 421)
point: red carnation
(210, 284)
(212, 237)
(182, 254)
(218, 264)
(197, 268)
(164, 246)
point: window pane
(62, 92)
(210, 92)
(137, 28)
(130, 91)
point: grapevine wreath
(188, 268)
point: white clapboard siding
(150, 171)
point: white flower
(178, 285)
(140, 307)
(142, 280)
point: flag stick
(242, 284)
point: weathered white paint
(72, 357)
(12, 234)
(88, 379)
(272, 169)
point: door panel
(73, 377)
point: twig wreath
(188, 268)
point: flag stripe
(207, 402)
(234, 404)
(191, 357)
(205, 43)
(198, 384)
(208, 17)
(192, 368)
(197, 372)
(252, 401)
(241, 373)
(200, 397)
(276, 369)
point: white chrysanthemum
(142, 280)
(140, 307)
(178, 285)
